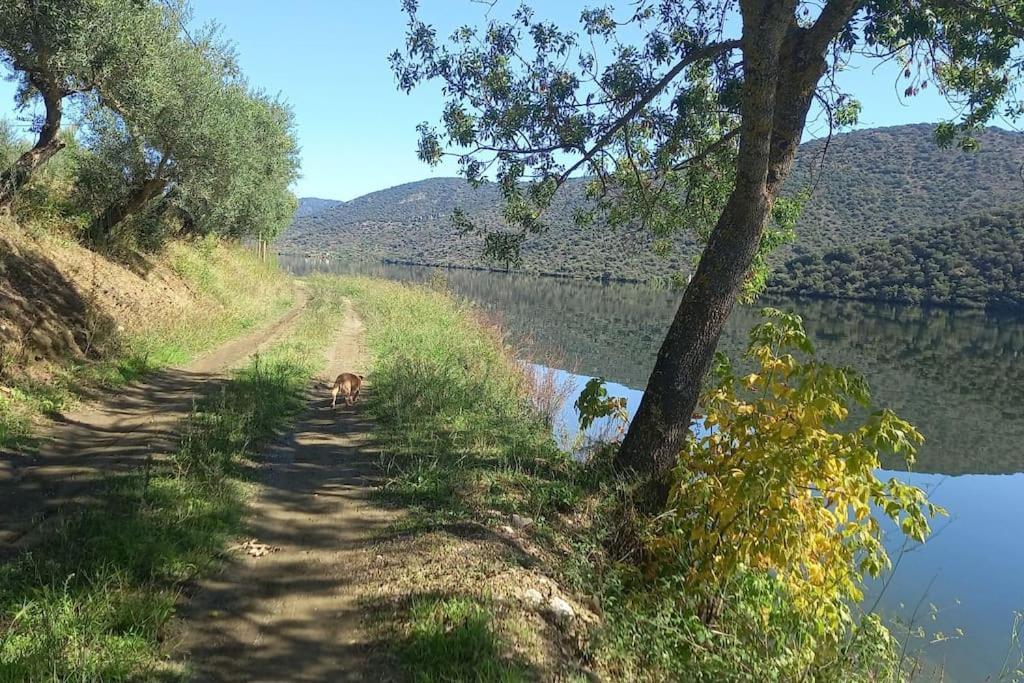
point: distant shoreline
(486, 269)
(661, 285)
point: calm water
(957, 375)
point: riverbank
(603, 277)
(468, 588)
(508, 563)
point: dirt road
(112, 435)
(292, 614)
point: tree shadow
(106, 574)
(47, 314)
(455, 636)
(136, 425)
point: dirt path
(293, 614)
(113, 435)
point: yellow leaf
(787, 430)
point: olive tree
(687, 115)
(266, 163)
(190, 136)
(163, 128)
(250, 194)
(58, 50)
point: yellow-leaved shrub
(779, 482)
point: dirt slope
(112, 435)
(293, 614)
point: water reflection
(957, 375)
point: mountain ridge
(873, 185)
(311, 206)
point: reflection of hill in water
(957, 375)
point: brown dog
(348, 386)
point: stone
(533, 597)
(562, 610)
(520, 522)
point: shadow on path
(116, 434)
(294, 614)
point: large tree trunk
(170, 206)
(48, 144)
(115, 214)
(781, 74)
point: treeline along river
(958, 375)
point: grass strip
(461, 442)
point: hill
(873, 184)
(310, 206)
(412, 222)
(882, 182)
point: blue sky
(328, 58)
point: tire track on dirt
(294, 613)
(115, 434)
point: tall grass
(92, 602)
(459, 431)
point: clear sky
(328, 58)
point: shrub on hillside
(976, 261)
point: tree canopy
(976, 261)
(57, 50)
(167, 122)
(687, 115)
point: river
(958, 375)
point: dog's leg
(334, 396)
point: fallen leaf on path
(257, 549)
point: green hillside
(873, 184)
(884, 182)
(976, 261)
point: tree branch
(706, 52)
(830, 22)
(703, 154)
